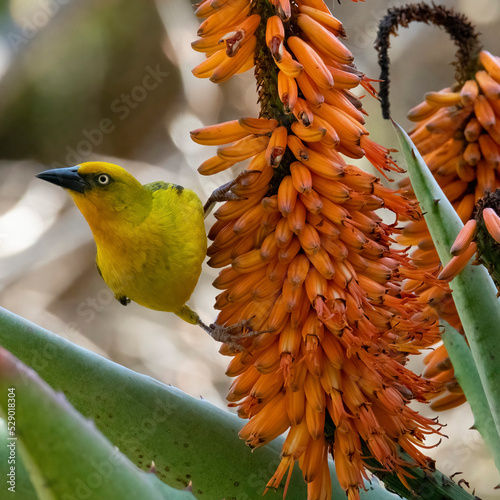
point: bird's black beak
(65, 177)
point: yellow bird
(150, 238)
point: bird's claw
(244, 178)
(224, 192)
(231, 335)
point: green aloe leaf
(188, 439)
(473, 290)
(24, 487)
(468, 378)
(65, 455)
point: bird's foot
(231, 335)
(224, 192)
(124, 301)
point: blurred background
(111, 80)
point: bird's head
(102, 190)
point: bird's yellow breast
(156, 261)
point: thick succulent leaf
(474, 292)
(64, 454)
(188, 439)
(468, 378)
(23, 487)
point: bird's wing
(161, 185)
(172, 199)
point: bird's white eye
(103, 179)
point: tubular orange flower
(464, 238)
(480, 236)
(492, 222)
(456, 131)
(451, 160)
(312, 264)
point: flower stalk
(461, 31)
(308, 260)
